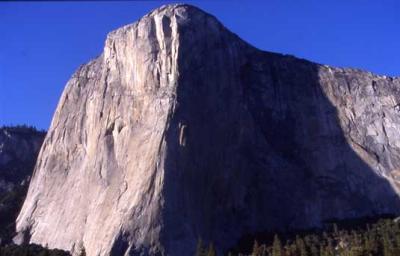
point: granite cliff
(181, 130)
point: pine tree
(256, 249)
(301, 246)
(387, 244)
(323, 251)
(335, 229)
(330, 251)
(314, 250)
(200, 248)
(277, 247)
(211, 250)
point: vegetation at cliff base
(379, 239)
(30, 250)
(10, 205)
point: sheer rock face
(181, 130)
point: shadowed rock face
(181, 130)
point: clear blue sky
(42, 43)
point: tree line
(381, 238)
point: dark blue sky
(42, 43)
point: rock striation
(181, 130)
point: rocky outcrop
(19, 146)
(181, 130)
